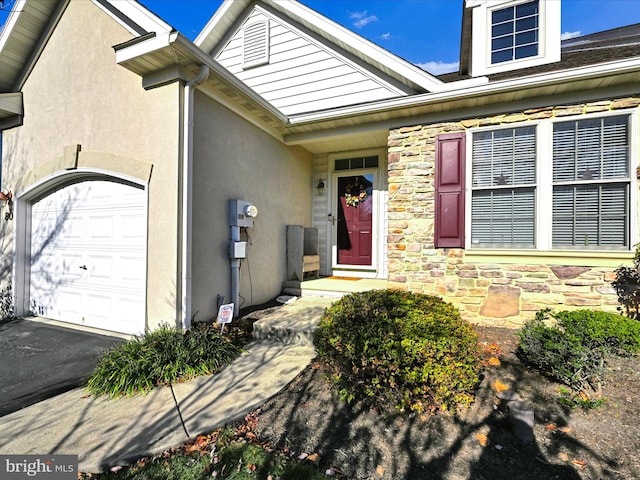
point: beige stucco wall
(503, 288)
(77, 94)
(233, 159)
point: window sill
(583, 258)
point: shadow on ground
(477, 444)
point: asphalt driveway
(38, 361)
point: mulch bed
(355, 442)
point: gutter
(175, 40)
(187, 188)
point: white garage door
(88, 256)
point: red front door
(355, 219)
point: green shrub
(627, 287)
(393, 348)
(573, 347)
(161, 357)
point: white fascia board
(462, 92)
(5, 33)
(152, 44)
(212, 24)
(228, 77)
(138, 14)
(11, 104)
(358, 43)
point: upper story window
(514, 32)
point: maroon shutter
(449, 221)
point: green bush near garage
(401, 349)
(161, 357)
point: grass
(230, 453)
(161, 357)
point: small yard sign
(225, 314)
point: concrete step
(294, 323)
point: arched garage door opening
(88, 254)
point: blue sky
(424, 32)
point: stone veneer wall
(498, 294)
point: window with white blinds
(503, 197)
(591, 183)
(553, 184)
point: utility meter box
(241, 213)
(238, 250)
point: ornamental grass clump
(401, 349)
(161, 357)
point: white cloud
(568, 35)
(362, 18)
(436, 68)
(385, 36)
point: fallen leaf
(314, 458)
(492, 348)
(499, 447)
(563, 456)
(494, 362)
(482, 439)
(565, 429)
(330, 472)
(302, 456)
(578, 462)
(499, 386)
(550, 427)
(380, 470)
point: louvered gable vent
(256, 44)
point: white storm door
(88, 256)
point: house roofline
(461, 91)
(231, 10)
(128, 52)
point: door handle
(83, 267)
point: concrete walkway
(106, 432)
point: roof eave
(11, 110)
(231, 10)
(174, 43)
(531, 83)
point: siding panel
(303, 73)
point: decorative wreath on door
(355, 194)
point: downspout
(187, 185)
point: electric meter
(251, 211)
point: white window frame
(549, 41)
(544, 183)
(512, 49)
